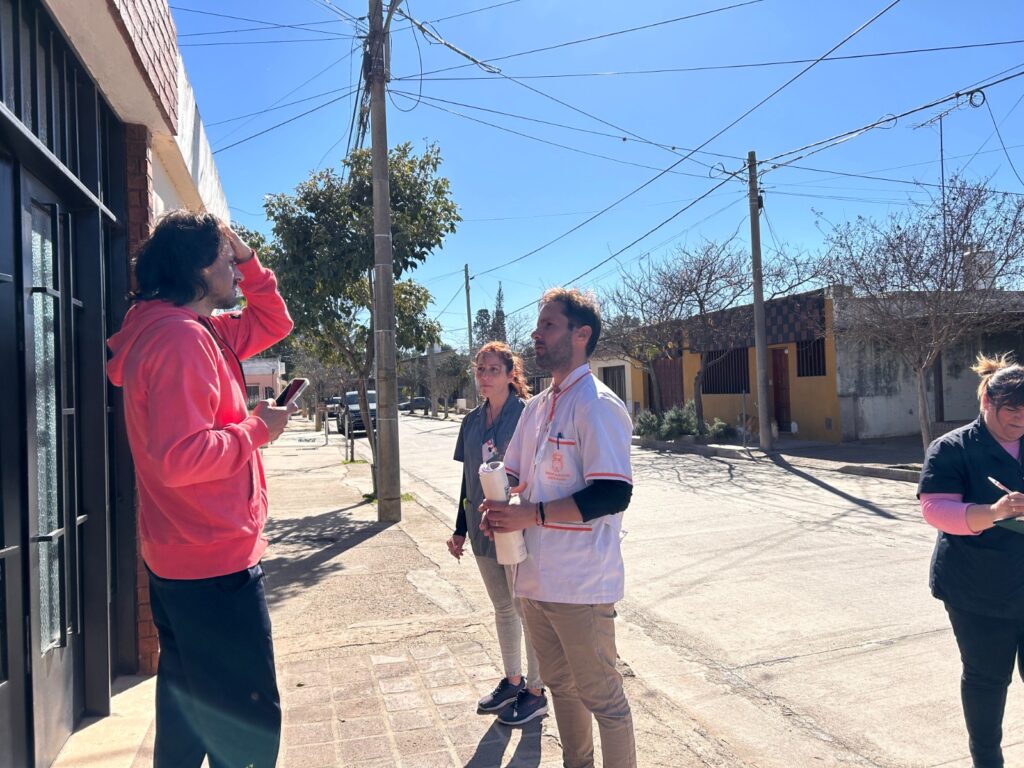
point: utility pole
(471, 401)
(431, 379)
(760, 336)
(389, 491)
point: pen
(999, 485)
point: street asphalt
(782, 610)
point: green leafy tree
(322, 253)
(498, 332)
(482, 325)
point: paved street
(784, 611)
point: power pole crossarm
(760, 335)
(389, 492)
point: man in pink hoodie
(202, 492)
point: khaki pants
(575, 645)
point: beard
(552, 358)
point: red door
(780, 389)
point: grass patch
(356, 461)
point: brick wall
(150, 33)
(139, 163)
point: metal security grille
(810, 358)
(726, 373)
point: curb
(882, 471)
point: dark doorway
(13, 722)
(614, 377)
(780, 389)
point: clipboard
(1014, 524)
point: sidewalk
(383, 641)
(892, 458)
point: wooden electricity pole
(389, 491)
(760, 335)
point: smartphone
(291, 392)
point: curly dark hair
(169, 264)
(581, 308)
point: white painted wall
(613, 362)
(187, 159)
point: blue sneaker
(525, 708)
(501, 696)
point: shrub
(721, 430)
(647, 424)
(679, 421)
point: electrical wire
(419, 56)
(453, 298)
(749, 111)
(566, 147)
(267, 42)
(719, 67)
(620, 137)
(890, 120)
(269, 24)
(999, 135)
(283, 122)
(274, 109)
(599, 37)
(299, 87)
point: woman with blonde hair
(970, 490)
(483, 437)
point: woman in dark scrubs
(970, 490)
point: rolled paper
(510, 545)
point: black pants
(988, 649)
(216, 690)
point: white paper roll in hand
(511, 545)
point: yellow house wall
(813, 400)
(638, 387)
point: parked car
(332, 404)
(416, 404)
(350, 418)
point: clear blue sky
(517, 193)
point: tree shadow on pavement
(781, 462)
(304, 546)
(490, 752)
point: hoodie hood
(140, 318)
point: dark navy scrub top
(985, 573)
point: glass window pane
(45, 393)
(43, 272)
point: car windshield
(353, 397)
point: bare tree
(920, 281)
(451, 375)
(711, 281)
(643, 315)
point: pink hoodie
(202, 493)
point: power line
(284, 122)
(453, 298)
(601, 36)
(268, 42)
(891, 120)
(566, 147)
(999, 135)
(719, 67)
(274, 109)
(268, 24)
(299, 87)
(791, 80)
(620, 137)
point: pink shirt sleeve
(947, 512)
